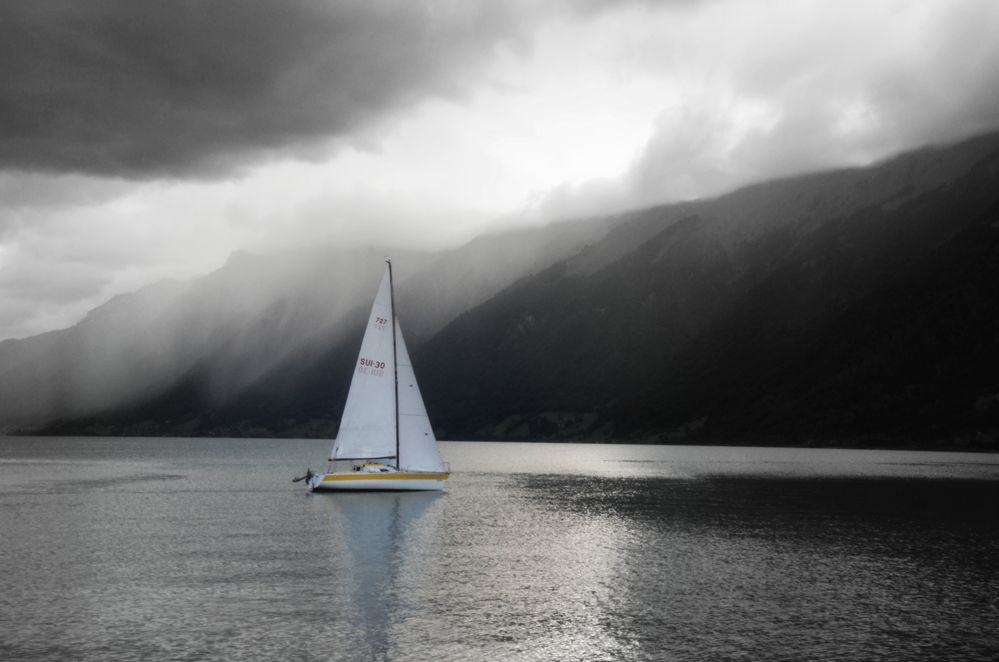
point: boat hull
(369, 482)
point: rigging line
(395, 364)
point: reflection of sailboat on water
(385, 441)
(382, 554)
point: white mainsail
(371, 414)
(367, 427)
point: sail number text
(371, 363)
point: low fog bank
(230, 327)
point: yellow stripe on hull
(356, 475)
(382, 481)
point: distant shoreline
(989, 444)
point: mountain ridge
(771, 257)
(663, 307)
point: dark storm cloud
(172, 88)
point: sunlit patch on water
(801, 568)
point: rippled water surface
(129, 549)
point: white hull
(360, 481)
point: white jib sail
(367, 427)
(417, 444)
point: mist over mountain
(855, 306)
(190, 350)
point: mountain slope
(888, 327)
(876, 323)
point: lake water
(195, 549)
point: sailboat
(385, 441)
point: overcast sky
(141, 140)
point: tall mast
(395, 366)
